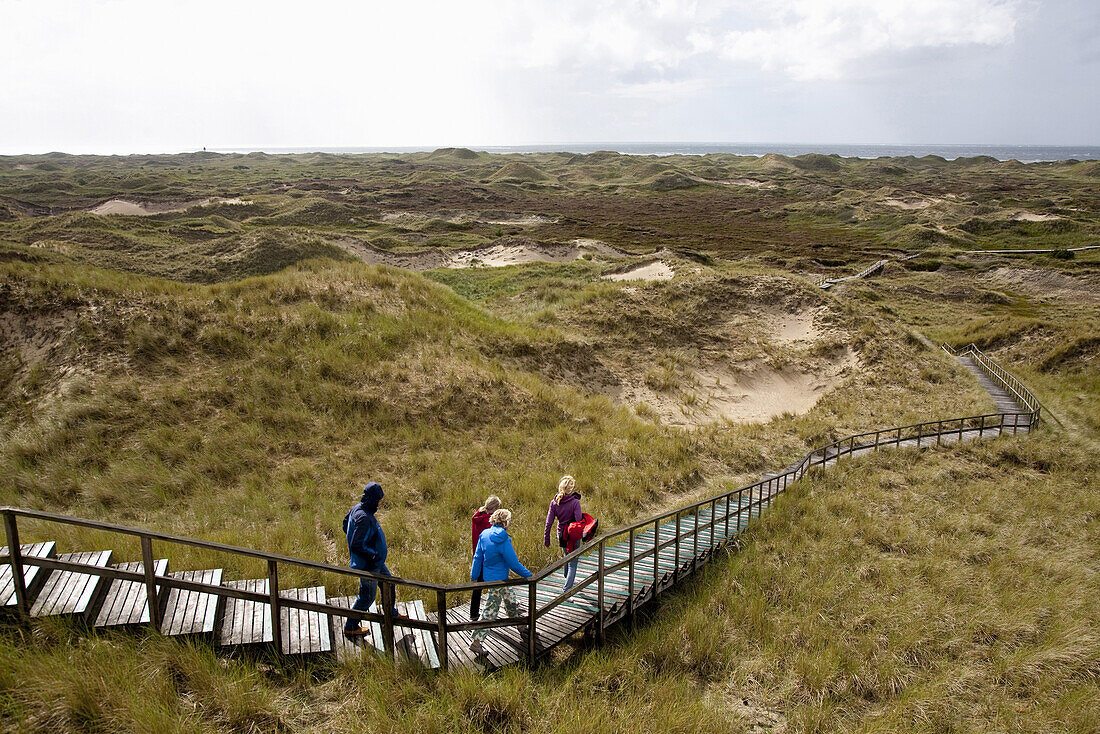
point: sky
(127, 76)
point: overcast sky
(119, 76)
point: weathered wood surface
(246, 622)
(304, 632)
(71, 592)
(191, 612)
(33, 576)
(125, 602)
(351, 647)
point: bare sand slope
(415, 219)
(148, 208)
(656, 270)
(499, 253)
(753, 390)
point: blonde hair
(565, 486)
(501, 518)
(492, 504)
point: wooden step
(125, 601)
(33, 576)
(304, 632)
(191, 612)
(72, 592)
(246, 622)
(349, 648)
(419, 644)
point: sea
(1022, 153)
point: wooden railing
(744, 501)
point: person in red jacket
(478, 523)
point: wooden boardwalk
(617, 574)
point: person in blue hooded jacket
(367, 546)
(493, 559)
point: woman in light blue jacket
(493, 559)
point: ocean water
(1022, 153)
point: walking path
(617, 573)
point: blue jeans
(570, 570)
(368, 589)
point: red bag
(582, 530)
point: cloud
(826, 39)
(805, 40)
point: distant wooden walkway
(617, 573)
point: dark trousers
(368, 590)
(475, 600)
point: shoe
(356, 632)
(477, 647)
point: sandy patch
(149, 208)
(503, 252)
(1034, 217)
(795, 328)
(750, 182)
(746, 393)
(416, 219)
(22, 167)
(909, 203)
(659, 270)
(496, 256)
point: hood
(497, 535)
(479, 513)
(372, 495)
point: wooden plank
(33, 576)
(246, 622)
(351, 647)
(432, 655)
(125, 602)
(192, 612)
(71, 592)
(304, 632)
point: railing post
(389, 600)
(656, 556)
(876, 439)
(599, 593)
(532, 606)
(727, 535)
(15, 557)
(695, 542)
(740, 496)
(962, 425)
(981, 428)
(273, 595)
(939, 432)
(676, 571)
(713, 521)
(150, 581)
(441, 626)
(630, 577)
(920, 430)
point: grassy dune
(203, 372)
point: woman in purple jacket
(565, 508)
